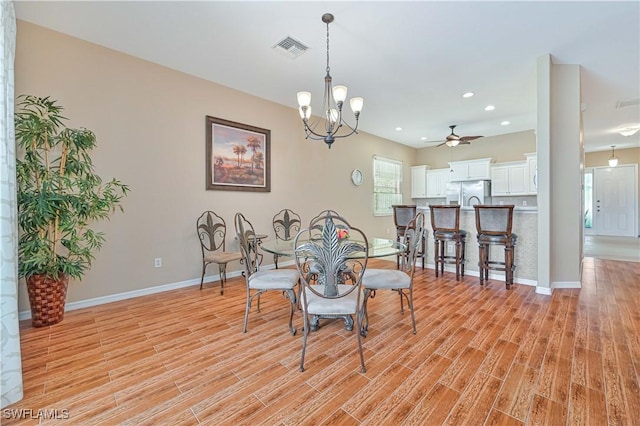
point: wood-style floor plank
(482, 355)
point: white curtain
(11, 366)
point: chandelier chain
(328, 69)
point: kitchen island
(525, 226)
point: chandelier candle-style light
(334, 97)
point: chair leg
(275, 260)
(436, 254)
(413, 316)
(291, 294)
(247, 309)
(359, 337)
(463, 257)
(481, 264)
(443, 246)
(508, 262)
(458, 260)
(204, 268)
(305, 333)
(222, 272)
(364, 321)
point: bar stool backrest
(494, 220)
(445, 218)
(402, 215)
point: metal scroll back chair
(494, 225)
(445, 221)
(402, 215)
(397, 280)
(332, 252)
(286, 224)
(260, 281)
(212, 232)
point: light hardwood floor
(482, 356)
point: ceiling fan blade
(443, 143)
(469, 138)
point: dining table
(378, 247)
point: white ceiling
(411, 61)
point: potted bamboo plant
(59, 195)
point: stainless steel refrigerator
(469, 193)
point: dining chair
(333, 246)
(260, 281)
(212, 232)
(397, 280)
(286, 224)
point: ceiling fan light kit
(334, 98)
(453, 140)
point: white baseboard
(566, 284)
(71, 306)
(547, 291)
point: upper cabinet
(419, 181)
(532, 163)
(510, 179)
(437, 181)
(470, 170)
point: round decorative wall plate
(356, 177)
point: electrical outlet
(524, 203)
(387, 230)
(449, 248)
(158, 262)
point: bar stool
(445, 221)
(494, 224)
(402, 215)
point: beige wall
(500, 149)
(601, 158)
(150, 124)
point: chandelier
(334, 97)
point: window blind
(387, 185)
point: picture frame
(238, 156)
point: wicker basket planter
(47, 298)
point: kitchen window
(387, 185)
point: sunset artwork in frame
(238, 156)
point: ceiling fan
(454, 140)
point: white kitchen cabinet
(532, 164)
(509, 179)
(419, 181)
(479, 169)
(437, 181)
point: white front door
(615, 200)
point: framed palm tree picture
(238, 156)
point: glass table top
(378, 247)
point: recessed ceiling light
(424, 138)
(468, 95)
(505, 123)
(489, 108)
(398, 129)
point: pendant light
(613, 160)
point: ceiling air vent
(631, 102)
(291, 47)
